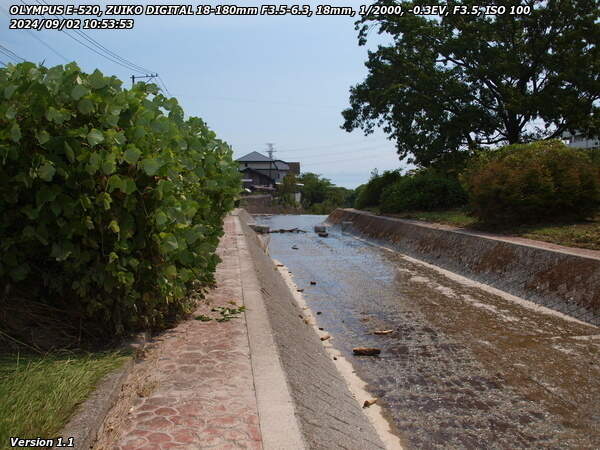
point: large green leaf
(85, 106)
(15, 132)
(69, 152)
(46, 172)
(168, 242)
(79, 91)
(151, 166)
(97, 80)
(132, 154)
(42, 136)
(109, 165)
(93, 163)
(95, 137)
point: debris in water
(299, 290)
(294, 247)
(323, 234)
(318, 312)
(368, 403)
(313, 283)
(327, 336)
(321, 328)
(366, 351)
(383, 331)
(291, 230)
(262, 229)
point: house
(263, 173)
(579, 140)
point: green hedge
(423, 191)
(532, 182)
(111, 202)
(370, 193)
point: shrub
(532, 182)
(111, 203)
(370, 193)
(423, 191)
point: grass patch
(455, 217)
(38, 394)
(582, 234)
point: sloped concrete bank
(328, 415)
(561, 278)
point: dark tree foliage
(463, 81)
(370, 193)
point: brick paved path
(205, 395)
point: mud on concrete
(464, 367)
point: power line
(338, 161)
(248, 100)
(105, 52)
(94, 42)
(320, 147)
(127, 65)
(45, 44)
(8, 52)
(33, 35)
(164, 85)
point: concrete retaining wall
(328, 414)
(567, 280)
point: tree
(315, 189)
(321, 196)
(459, 82)
(287, 189)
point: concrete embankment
(328, 415)
(561, 278)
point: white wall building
(578, 140)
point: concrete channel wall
(564, 279)
(328, 414)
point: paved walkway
(204, 397)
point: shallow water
(463, 368)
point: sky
(252, 79)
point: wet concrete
(463, 368)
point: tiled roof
(254, 157)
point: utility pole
(270, 151)
(133, 77)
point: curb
(87, 420)
(278, 423)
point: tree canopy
(459, 82)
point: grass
(38, 394)
(582, 234)
(455, 217)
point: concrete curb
(86, 422)
(560, 278)
(278, 423)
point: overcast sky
(253, 79)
